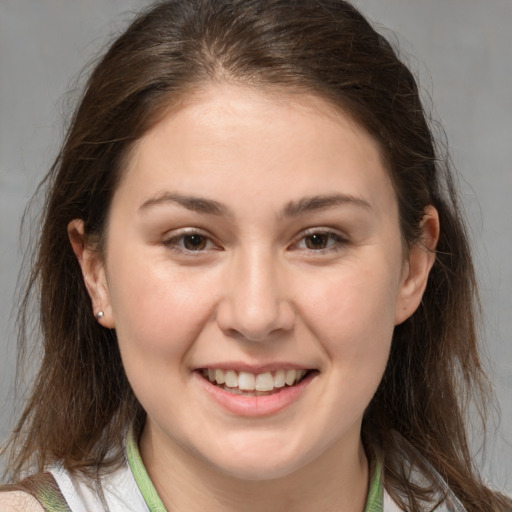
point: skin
(257, 292)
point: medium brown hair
(82, 403)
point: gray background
(460, 49)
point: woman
(255, 287)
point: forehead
(234, 140)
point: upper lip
(238, 366)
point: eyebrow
(291, 209)
(321, 202)
(196, 204)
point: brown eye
(317, 241)
(190, 243)
(194, 242)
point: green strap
(141, 476)
(45, 489)
(374, 501)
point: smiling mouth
(254, 384)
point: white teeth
(279, 379)
(290, 377)
(264, 382)
(219, 376)
(247, 381)
(231, 379)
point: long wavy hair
(81, 402)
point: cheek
(352, 314)
(353, 319)
(157, 312)
(158, 318)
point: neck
(335, 481)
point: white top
(129, 489)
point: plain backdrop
(461, 50)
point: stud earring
(100, 314)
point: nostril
(254, 323)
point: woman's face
(254, 242)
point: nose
(256, 305)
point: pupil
(317, 241)
(194, 242)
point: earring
(100, 314)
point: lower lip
(255, 405)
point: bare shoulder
(19, 501)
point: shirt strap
(44, 488)
(141, 476)
(375, 499)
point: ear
(419, 262)
(93, 272)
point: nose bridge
(256, 302)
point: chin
(259, 464)
(257, 471)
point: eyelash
(334, 241)
(178, 241)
